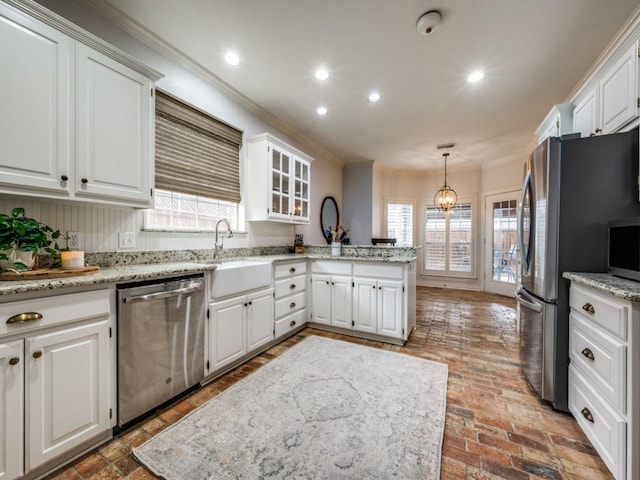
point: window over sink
(197, 170)
(179, 211)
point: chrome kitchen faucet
(218, 246)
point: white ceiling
(533, 54)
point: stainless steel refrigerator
(572, 188)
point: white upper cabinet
(278, 181)
(77, 115)
(611, 104)
(114, 117)
(619, 92)
(35, 94)
(559, 121)
(585, 115)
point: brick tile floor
(495, 426)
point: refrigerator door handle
(523, 299)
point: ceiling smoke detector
(428, 22)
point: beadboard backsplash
(99, 227)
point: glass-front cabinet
(278, 181)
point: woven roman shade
(195, 153)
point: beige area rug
(324, 409)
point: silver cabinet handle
(24, 317)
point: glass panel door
(501, 253)
(301, 188)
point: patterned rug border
(137, 451)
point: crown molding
(120, 19)
(46, 16)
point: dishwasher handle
(161, 295)
(524, 300)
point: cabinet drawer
(378, 270)
(601, 357)
(606, 428)
(288, 269)
(601, 309)
(290, 304)
(337, 267)
(290, 322)
(289, 286)
(55, 310)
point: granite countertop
(132, 273)
(605, 282)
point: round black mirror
(329, 217)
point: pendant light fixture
(445, 198)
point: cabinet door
(365, 304)
(280, 183)
(585, 115)
(114, 125)
(259, 319)
(321, 299)
(11, 409)
(341, 301)
(301, 189)
(35, 97)
(227, 332)
(67, 390)
(619, 93)
(390, 317)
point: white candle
(71, 260)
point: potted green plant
(21, 240)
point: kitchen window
(197, 172)
(448, 240)
(179, 211)
(399, 221)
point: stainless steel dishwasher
(160, 342)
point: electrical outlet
(73, 241)
(126, 240)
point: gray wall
(357, 200)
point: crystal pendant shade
(445, 198)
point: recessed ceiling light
(232, 58)
(475, 76)
(321, 111)
(322, 74)
(374, 97)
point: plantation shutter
(400, 223)
(435, 239)
(195, 153)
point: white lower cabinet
(604, 392)
(237, 326)
(57, 370)
(374, 299)
(11, 409)
(377, 306)
(67, 386)
(290, 309)
(332, 299)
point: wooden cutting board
(44, 273)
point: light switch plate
(126, 240)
